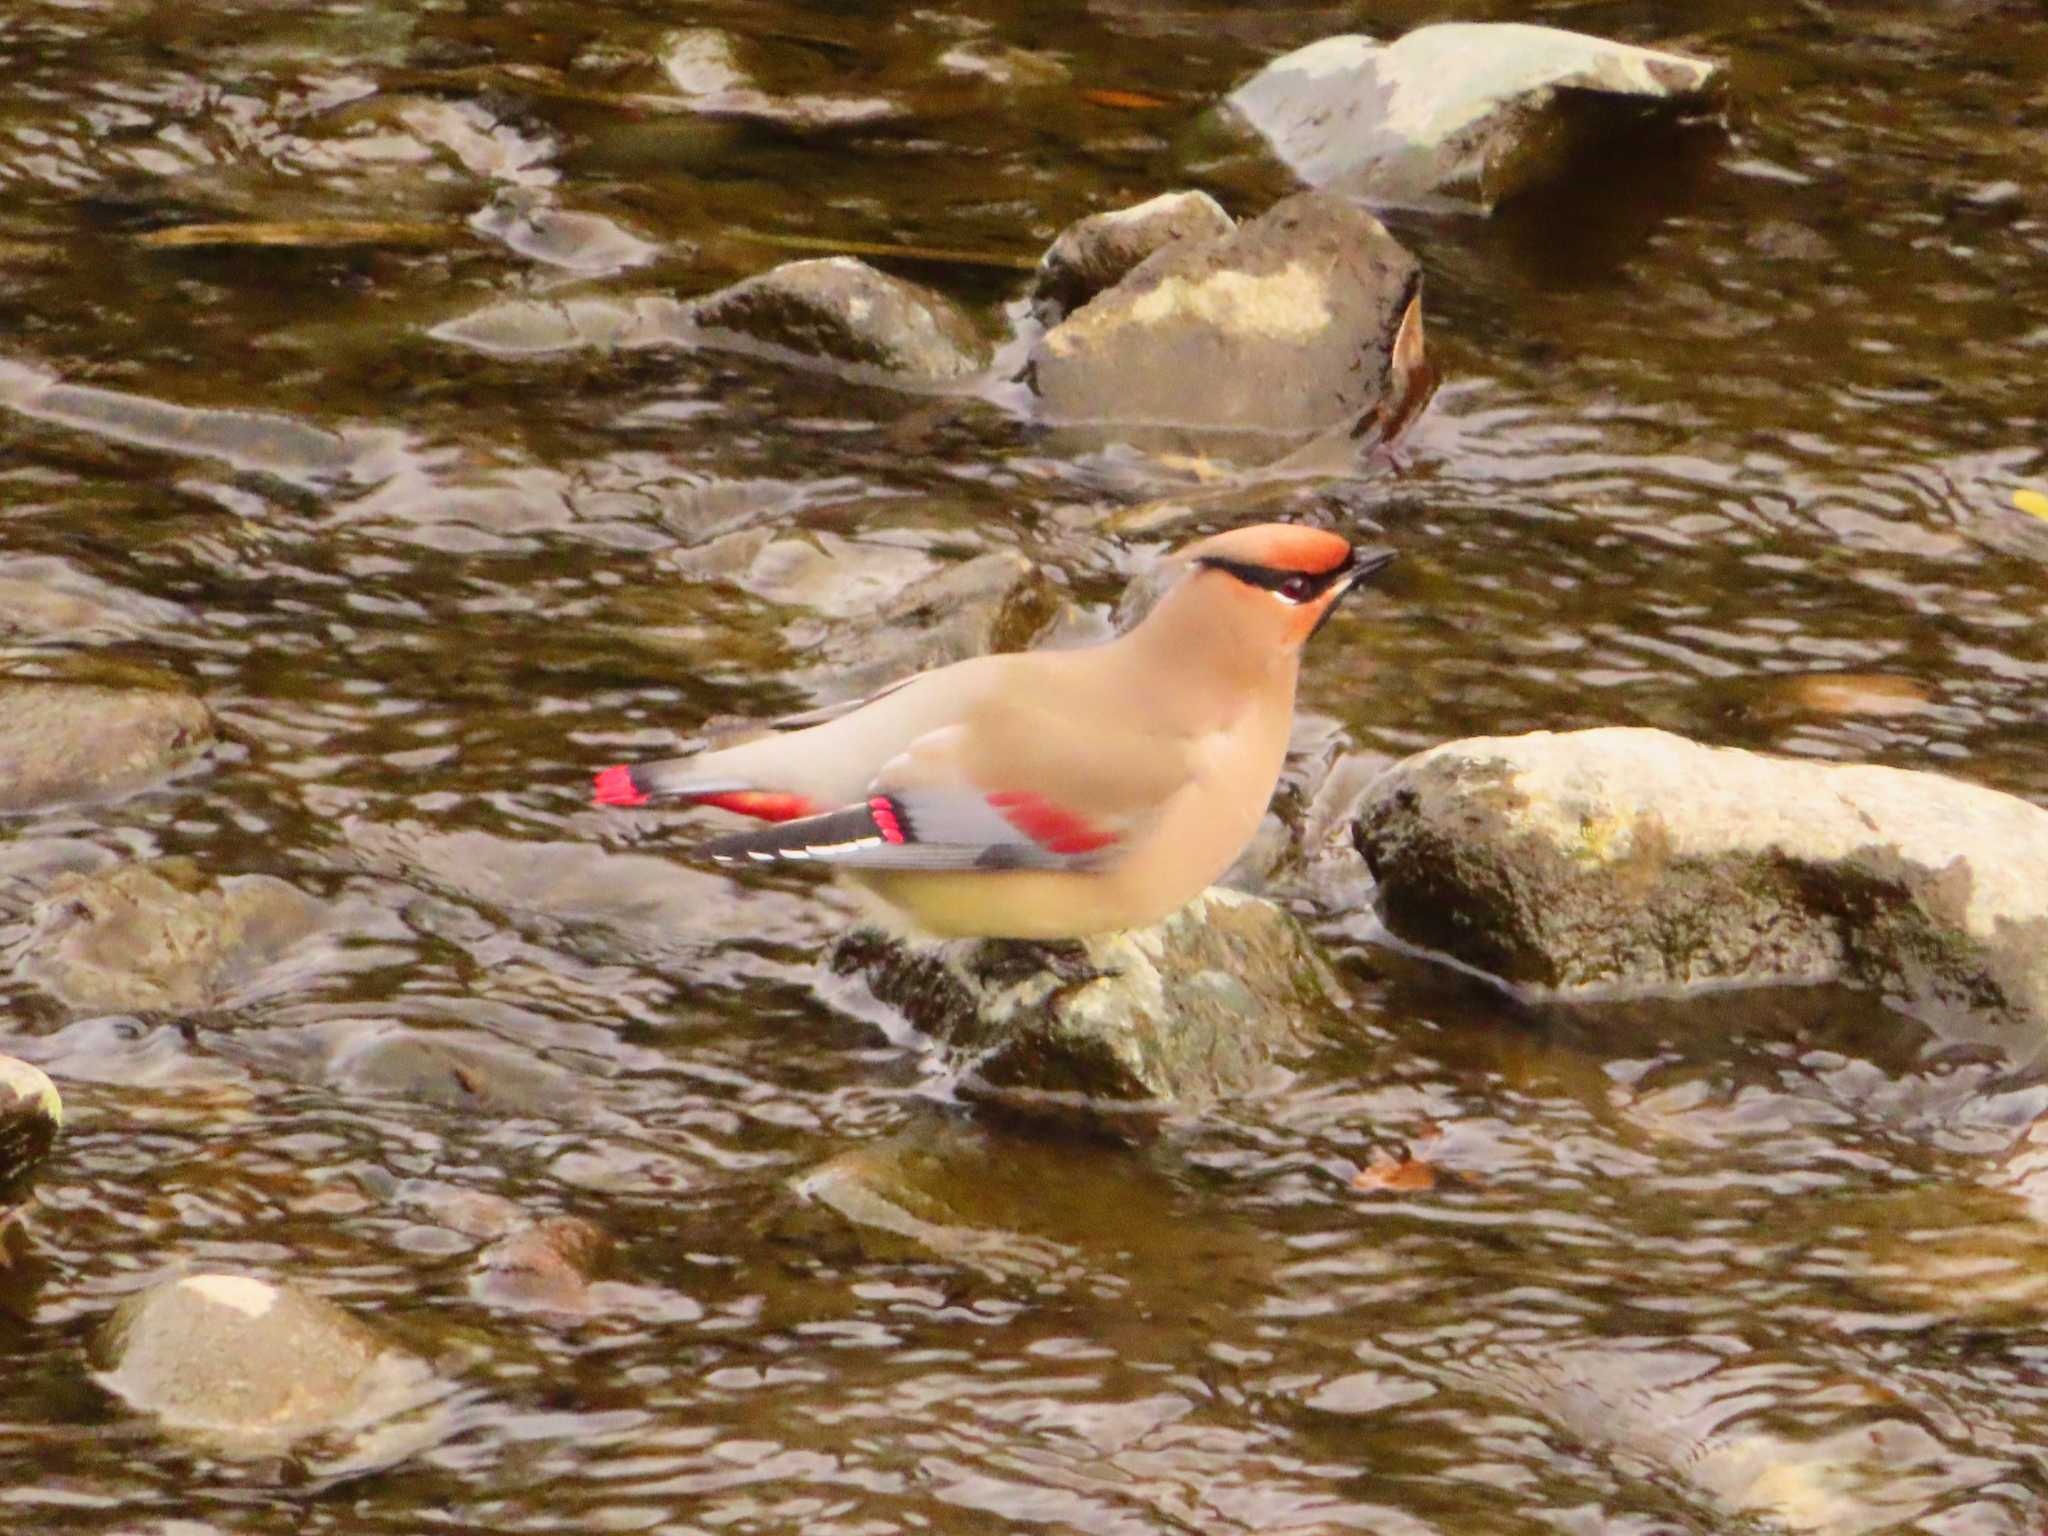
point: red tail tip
(615, 786)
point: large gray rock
(1461, 114)
(31, 1114)
(72, 741)
(1622, 859)
(256, 1364)
(1285, 328)
(1185, 1012)
(841, 311)
(160, 936)
(1095, 253)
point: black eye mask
(1293, 586)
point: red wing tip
(615, 786)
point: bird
(1052, 794)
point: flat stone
(1460, 114)
(1095, 253)
(260, 1363)
(71, 741)
(545, 1266)
(1284, 328)
(457, 1069)
(160, 936)
(1621, 860)
(1184, 1013)
(840, 311)
(31, 1114)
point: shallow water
(1730, 411)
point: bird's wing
(1012, 787)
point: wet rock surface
(1097, 252)
(67, 741)
(1460, 114)
(841, 310)
(251, 1363)
(1192, 1010)
(999, 601)
(31, 1114)
(453, 1069)
(161, 936)
(1624, 859)
(1280, 330)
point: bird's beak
(1365, 563)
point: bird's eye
(1297, 589)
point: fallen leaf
(2033, 502)
(1125, 101)
(1404, 1174)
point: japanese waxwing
(1047, 794)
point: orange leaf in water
(1403, 1174)
(1125, 101)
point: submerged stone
(31, 1114)
(1186, 1012)
(1015, 1207)
(1285, 328)
(516, 327)
(576, 242)
(457, 1069)
(1620, 860)
(68, 741)
(837, 310)
(1460, 114)
(1095, 253)
(543, 1266)
(256, 1363)
(160, 936)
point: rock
(1185, 1012)
(1095, 253)
(1621, 859)
(1016, 1207)
(577, 242)
(999, 601)
(44, 598)
(254, 1363)
(1286, 327)
(160, 936)
(258, 441)
(30, 1116)
(452, 1069)
(1460, 114)
(1845, 693)
(705, 67)
(837, 310)
(831, 313)
(69, 741)
(518, 327)
(546, 1266)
